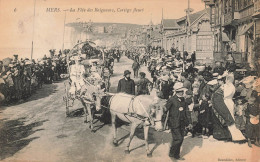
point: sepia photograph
(129, 80)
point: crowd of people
(206, 100)
(21, 77)
(221, 100)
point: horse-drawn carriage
(87, 88)
(85, 82)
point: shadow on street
(13, 136)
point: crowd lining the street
(21, 77)
(217, 96)
(219, 100)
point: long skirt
(235, 133)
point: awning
(245, 28)
(225, 37)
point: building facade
(234, 29)
(197, 37)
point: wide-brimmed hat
(11, 65)
(28, 62)
(220, 77)
(213, 82)
(127, 72)
(169, 64)
(207, 76)
(215, 75)
(178, 87)
(76, 58)
(165, 78)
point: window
(237, 5)
(257, 6)
(204, 43)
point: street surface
(38, 130)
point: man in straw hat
(178, 120)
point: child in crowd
(239, 113)
(252, 119)
(204, 114)
(195, 112)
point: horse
(89, 95)
(136, 110)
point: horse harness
(133, 113)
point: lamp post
(33, 28)
(64, 29)
(79, 27)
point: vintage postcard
(129, 80)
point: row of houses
(223, 27)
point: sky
(16, 19)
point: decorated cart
(85, 81)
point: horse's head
(156, 115)
(101, 99)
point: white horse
(90, 97)
(136, 110)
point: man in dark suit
(136, 67)
(178, 120)
(142, 84)
(126, 84)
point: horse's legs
(85, 110)
(113, 122)
(90, 116)
(133, 128)
(146, 131)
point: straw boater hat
(178, 87)
(165, 78)
(215, 75)
(213, 82)
(28, 62)
(220, 77)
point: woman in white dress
(229, 91)
(77, 72)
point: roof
(156, 34)
(194, 16)
(170, 23)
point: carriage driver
(77, 72)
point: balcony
(257, 9)
(209, 2)
(246, 12)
